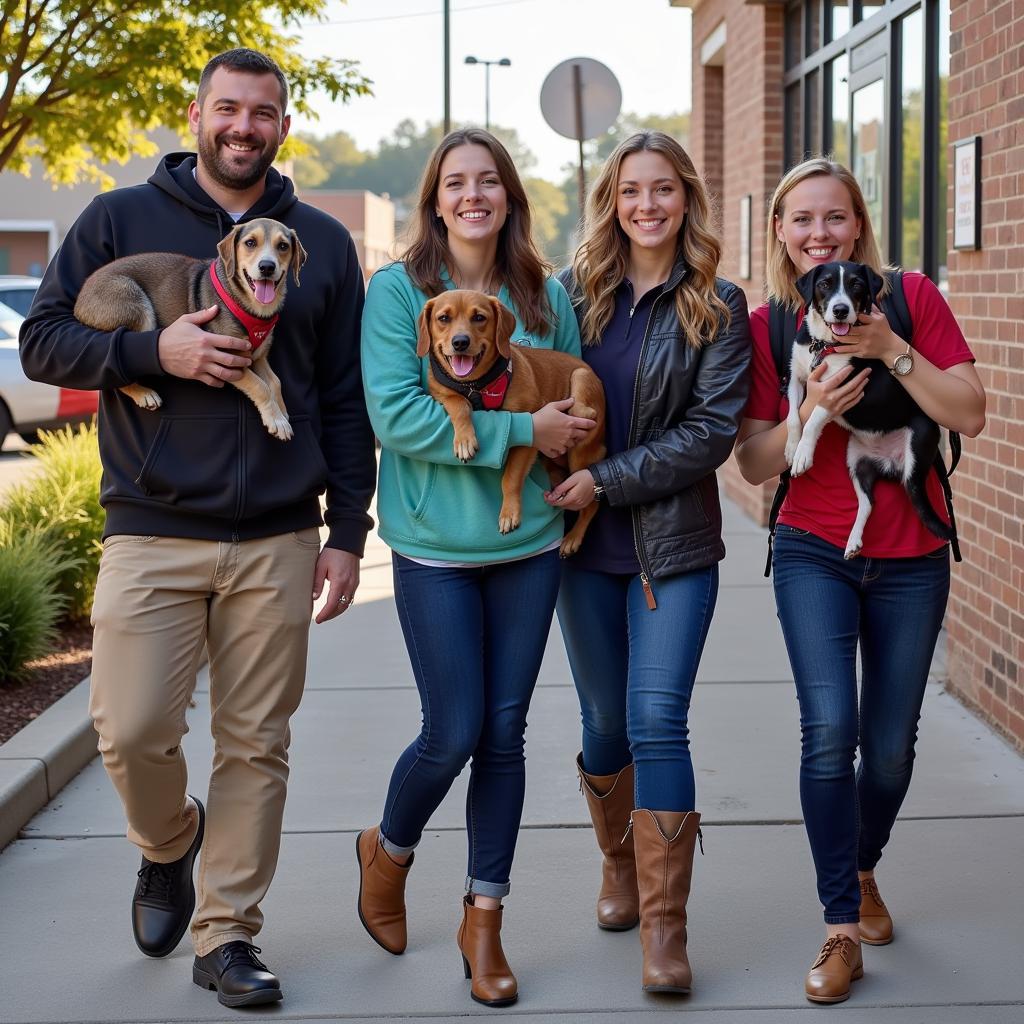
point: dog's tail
(925, 447)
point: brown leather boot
(875, 923)
(664, 842)
(839, 963)
(483, 959)
(609, 800)
(381, 903)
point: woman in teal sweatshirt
(475, 604)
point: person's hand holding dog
(576, 492)
(555, 431)
(835, 394)
(186, 350)
(872, 338)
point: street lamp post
(503, 63)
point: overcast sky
(399, 44)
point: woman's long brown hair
(601, 262)
(518, 263)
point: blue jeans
(634, 670)
(475, 639)
(891, 608)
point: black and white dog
(890, 437)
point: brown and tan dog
(474, 365)
(150, 291)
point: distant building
(893, 88)
(369, 217)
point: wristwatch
(902, 364)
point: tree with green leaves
(82, 81)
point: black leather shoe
(165, 898)
(237, 976)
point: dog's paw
(791, 446)
(145, 398)
(508, 521)
(803, 459)
(569, 546)
(852, 549)
(466, 447)
(281, 429)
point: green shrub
(30, 603)
(61, 502)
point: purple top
(609, 545)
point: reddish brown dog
(468, 336)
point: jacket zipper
(638, 543)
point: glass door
(867, 143)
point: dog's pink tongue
(840, 330)
(264, 291)
(462, 365)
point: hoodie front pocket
(280, 473)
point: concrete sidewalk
(952, 873)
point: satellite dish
(580, 98)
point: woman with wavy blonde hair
(670, 342)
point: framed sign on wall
(967, 194)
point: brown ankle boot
(664, 842)
(609, 800)
(839, 963)
(483, 959)
(381, 902)
(875, 923)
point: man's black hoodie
(203, 465)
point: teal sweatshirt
(429, 504)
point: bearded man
(211, 534)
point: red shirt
(822, 500)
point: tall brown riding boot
(609, 800)
(483, 959)
(664, 842)
(381, 902)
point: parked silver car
(26, 405)
(18, 292)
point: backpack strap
(781, 333)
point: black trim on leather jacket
(687, 407)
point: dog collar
(819, 350)
(256, 327)
(486, 392)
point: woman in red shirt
(888, 603)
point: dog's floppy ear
(226, 251)
(424, 338)
(298, 255)
(875, 282)
(504, 325)
(805, 284)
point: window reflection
(840, 109)
(839, 18)
(943, 150)
(868, 153)
(912, 65)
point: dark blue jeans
(475, 639)
(634, 671)
(891, 609)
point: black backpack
(781, 334)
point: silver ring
(343, 599)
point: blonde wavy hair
(519, 264)
(780, 273)
(600, 264)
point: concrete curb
(37, 762)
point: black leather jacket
(687, 407)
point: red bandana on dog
(256, 328)
(494, 394)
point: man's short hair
(251, 62)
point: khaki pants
(158, 601)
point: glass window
(868, 151)
(794, 22)
(812, 40)
(941, 198)
(794, 127)
(813, 113)
(838, 18)
(869, 7)
(838, 141)
(912, 102)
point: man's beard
(226, 174)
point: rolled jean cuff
(853, 918)
(393, 848)
(496, 890)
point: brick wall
(745, 121)
(985, 620)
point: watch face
(903, 364)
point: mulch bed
(47, 680)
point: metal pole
(487, 94)
(577, 89)
(447, 74)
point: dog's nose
(840, 311)
(267, 267)
(460, 342)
